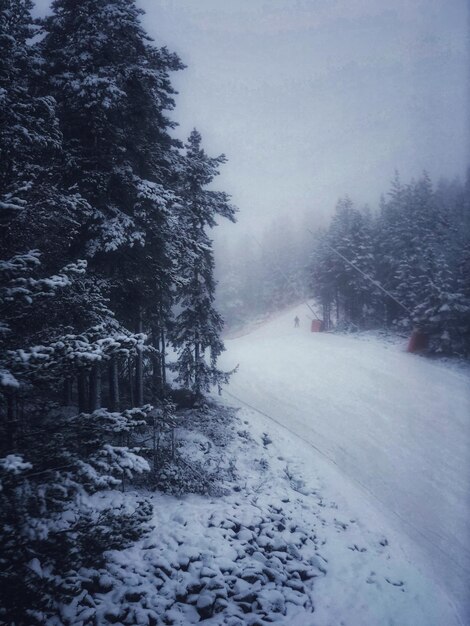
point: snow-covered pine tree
(321, 286)
(38, 214)
(336, 282)
(409, 232)
(391, 234)
(444, 310)
(55, 327)
(113, 91)
(35, 210)
(52, 459)
(463, 288)
(442, 306)
(363, 296)
(198, 325)
(28, 127)
(415, 248)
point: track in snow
(396, 424)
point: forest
(404, 264)
(111, 318)
(106, 263)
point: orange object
(317, 326)
(418, 341)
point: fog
(315, 99)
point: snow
(281, 545)
(8, 380)
(387, 435)
(286, 525)
(14, 463)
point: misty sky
(314, 99)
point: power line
(366, 276)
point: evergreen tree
(113, 91)
(415, 249)
(36, 211)
(322, 288)
(198, 326)
(409, 232)
(342, 261)
(112, 87)
(28, 127)
(55, 329)
(443, 311)
(51, 460)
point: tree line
(260, 274)
(416, 247)
(106, 260)
(404, 265)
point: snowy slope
(273, 542)
(391, 436)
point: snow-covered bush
(53, 462)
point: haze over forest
(313, 100)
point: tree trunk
(95, 387)
(196, 368)
(82, 391)
(154, 443)
(163, 361)
(11, 422)
(326, 316)
(157, 363)
(113, 384)
(68, 385)
(139, 368)
(131, 380)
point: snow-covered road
(395, 425)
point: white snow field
(387, 434)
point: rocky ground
(242, 538)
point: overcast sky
(314, 99)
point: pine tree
(56, 329)
(342, 261)
(112, 87)
(28, 127)
(198, 326)
(113, 91)
(443, 311)
(322, 287)
(52, 459)
(409, 232)
(415, 249)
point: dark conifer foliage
(53, 459)
(35, 209)
(416, 249)
(103, 218)
(113, 91)
(29, 130)
(347, 290)
(198, 326)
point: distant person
(296, 321)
